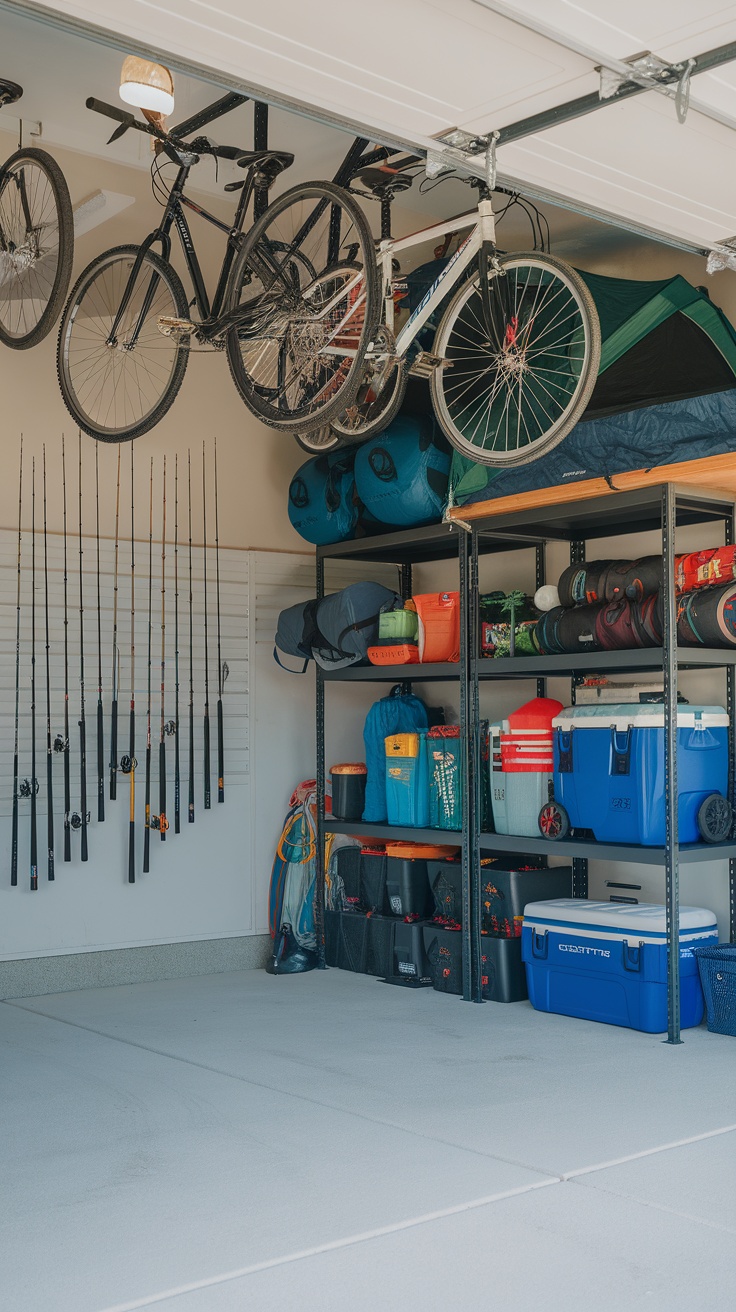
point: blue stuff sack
(322, 505)
(401, 476)
(397, 713)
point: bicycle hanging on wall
(515, 355)
(127, 328)
(36, 240)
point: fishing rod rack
(61, 600)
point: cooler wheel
(715, 818)
(554, 822)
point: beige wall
(255, 462)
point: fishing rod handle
(114, 751)
(220, 753)
(207, 783)
(100, 762)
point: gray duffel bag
(336, 631)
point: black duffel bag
(336, 631)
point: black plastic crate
(409, 966)
(407, 887)
(503, 973)
(504, 892)
(379, 958)
(373, 881)
(346, 867)
(346, 940)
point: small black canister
(348, 791)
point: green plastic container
(398, 626)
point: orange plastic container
(394, 653)
(420, 851)
(439, 626)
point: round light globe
(147, 85)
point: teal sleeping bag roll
(322, 504)
(401, 476)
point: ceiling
(409, 71)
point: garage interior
(181, 1128)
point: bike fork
(127, 294)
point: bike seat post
(386, 216)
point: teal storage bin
(407, 780)
(445, 753)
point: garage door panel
(672, 28)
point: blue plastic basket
(717, 966)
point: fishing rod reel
(170, 728)
(75, 821)
(28, 789)
(128, 764)
(159, 823)
(61, 744)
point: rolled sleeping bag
(707, 617)
(401, 476)
(564, 630)
(322, 503)
(585, 583)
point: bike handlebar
(120, 116)
(170, 140)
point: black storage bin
(505, 893)
(346, 939)
(509, 887)
(348, 791)
(409, 965)
(407, 887)
(373, 881)
(503, 973)
(347, 871)
(379, 956)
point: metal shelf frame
(663, 507)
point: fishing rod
(147, 822)
(206, 749)
(100, 720)
(49, 748)
(34, 789)
(82, 720)
(129, 763)
(61, 744)
(115, 656)
(191, 653)
(160, 821)
(177, 775)
(222, 670)
(14, 830)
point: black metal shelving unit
(663, 507)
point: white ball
(546, 597)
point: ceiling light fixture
(147, 85)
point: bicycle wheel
(379, 398)
(118, 390)
(318, 440)
(298, 340)
(36, 246)
(508, 392)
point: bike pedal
(172, 327)
(426, 363)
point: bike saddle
(9, 92)
(272, 162)
(385, 183)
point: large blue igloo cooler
(607, 961)
(609, 768)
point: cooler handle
(620, 751)
(540, 944)
(564, 748)
(632, 956)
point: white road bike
(514, 359)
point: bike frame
(483, 233)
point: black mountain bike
(127, 329)
(36, 240)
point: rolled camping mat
(707, 617)
(584, 584)
(615, 627)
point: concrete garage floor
(327, 1142)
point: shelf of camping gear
(686, 598)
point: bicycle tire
(319, 440)
(156, 414)
(367, 418)
(331, 194)
(551, 437)
(60, 285)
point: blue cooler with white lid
(607, 961)
(609, 771)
